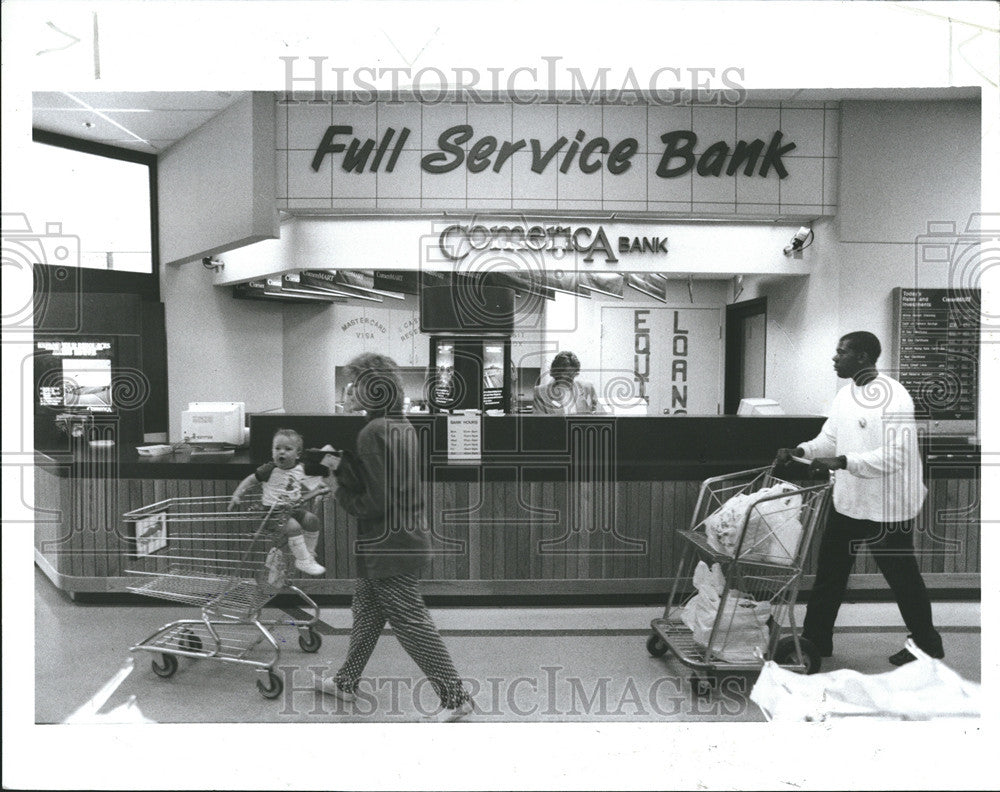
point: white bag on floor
(924, 689)
(742, 622)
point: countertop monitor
(214, 423)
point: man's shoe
(329, 686)
(825, 650)
(444, 715)
(904, 656)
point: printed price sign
(151, 534)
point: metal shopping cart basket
(228, 563)
(757, 529)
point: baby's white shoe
(304, 560)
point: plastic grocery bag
(924, 689)
(741, 633)
(272, 573)
(773, 529)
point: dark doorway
(746, 352)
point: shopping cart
(228, 563)
(761, 569)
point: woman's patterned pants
(396, 600)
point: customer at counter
(381, 486)
(563, 393)
(870, 442)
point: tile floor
(522, 665)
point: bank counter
(559, 506)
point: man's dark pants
(891, 544)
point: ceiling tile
(161, 100)
(173, 124)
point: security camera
(799, 240)
(212, 263)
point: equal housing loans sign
(458, 145)
(670, 357)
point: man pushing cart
(744, 552)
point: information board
(937, 349)
(465, 438)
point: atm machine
(470, 348)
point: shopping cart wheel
(190, 641)
(310, 640)
(273, 687)
(785, 654)
(656, 646)
(169, 667)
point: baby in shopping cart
(284, 480)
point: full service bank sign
(460, 145)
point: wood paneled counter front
(564, 506)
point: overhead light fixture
(106, 118)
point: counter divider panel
(85, 531)
(439, 560)
(961, 492)
(509, 529)
(74, 540)
(105, 504)
(546, 531)
(484, 529)
(643, 568)
(967, 497)
(964, 560)
(582, 542)
(478, 504)
(616, 512)
(468, 496)
(498, 491)
(460, 500)
(496, 502)
(947, 528)
(650, 567)
(534, 492)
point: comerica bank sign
(460, 145)
(457, 241)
